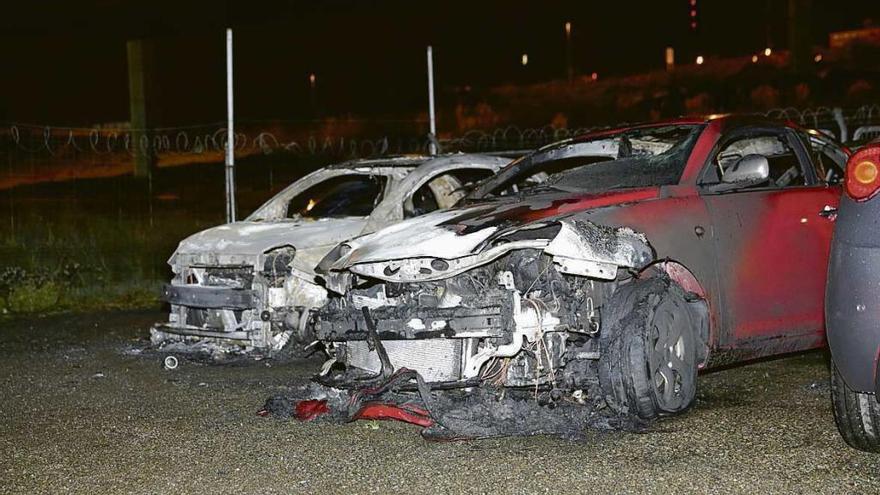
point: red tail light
(863, 173)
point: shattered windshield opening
(652, 156)
(342, 196)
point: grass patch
(77, 257)
(31, 298)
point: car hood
(248, 240)
(454, 233)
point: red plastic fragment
(307, 410)
(381, 410)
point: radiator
(437, 360)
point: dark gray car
(852, 303)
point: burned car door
(772, 228)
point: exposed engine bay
(510, 322)
(523, 313)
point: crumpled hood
(454, 233)
(255, 238)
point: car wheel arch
(685, 278)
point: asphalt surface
(83, 412)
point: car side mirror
(749, 170)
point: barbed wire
(51, 145)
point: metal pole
(432, 145)
(230, 135)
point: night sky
(65, 64)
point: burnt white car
(250, 285)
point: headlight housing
(277, 260)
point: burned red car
(609, 267)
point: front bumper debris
(427, 323)
(209, 297)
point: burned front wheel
(649, 349)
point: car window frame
(826, 142)
(789, 135)
(424, 181)
(384, 188)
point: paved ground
(79, 414)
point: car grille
(233, 277)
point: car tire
(649, 349)
(857, 415)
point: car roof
(385, 161)
(414, 161)
(726, 121)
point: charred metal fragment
(375, 344)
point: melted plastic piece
(307, 410)
(383, 410)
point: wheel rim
(670, 361)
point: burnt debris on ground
(454, 414)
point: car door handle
(828, 212)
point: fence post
(137, 100)
(841, 123)
(432, 137)
(230, 135)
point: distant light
(767, 51)
(312, 79)
(670, 57)
(693, 25)
(568, 29)
(700, 60)
(693, 3)
(754, 58)
(594, 76)
(525, 59)
(693, 12)
(311, 205)
(817, 58)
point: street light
(313, 93)
(569, 67)
(767, 51)
(700, 60)
(525, 59)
